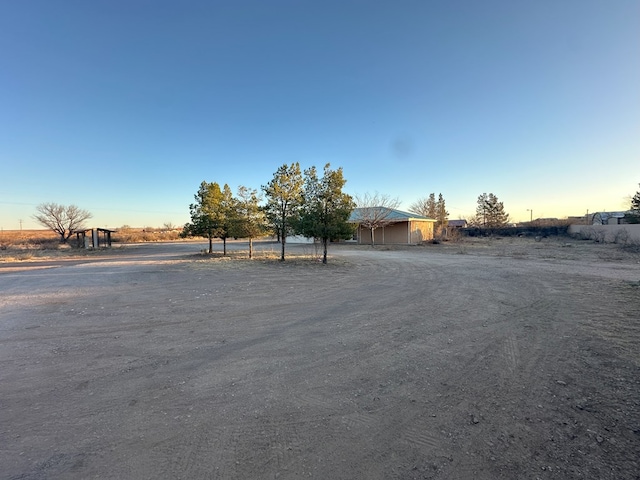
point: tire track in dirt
(202, 453)
(510, 353)
(502, 353)
(260, 448)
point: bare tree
(373, 211)
(64, 220)
(425, 206)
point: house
(399, 228)
(608, 218)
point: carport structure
(99, 237)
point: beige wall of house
(421, 231)
(411, 232)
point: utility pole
(20, 224)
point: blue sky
(124, 107)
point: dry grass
(30, 245)
(33, 245)
(142, 235)
(22, 237)
(24, 245)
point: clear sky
(123, 107)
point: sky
(123, 107)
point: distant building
(608, 218)
(457, 223)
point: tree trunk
(210, 243)
(324, 244)
(282, 255)
(283, 232)
(250, 247)
(372, 242)
(224, 245)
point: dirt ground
(485, 359)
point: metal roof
(394, 215)
(601, 218)
(457, 223)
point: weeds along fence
(528, 231)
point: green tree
(442, 216)
(250, 219)
(480, 220)
(284, 195)
(212, 215)
(490, 212)
(634, 209)
(325, 209)
(228, 217)
(64, 220)
(635, 202)
(272, 220)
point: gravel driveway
(496, 359)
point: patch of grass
(261, 255)
(268, 257)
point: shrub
(621, 237)
(599, 235)
(585, 234)
(454, 235)
(631, 245)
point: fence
(607, 233)
(529, 231)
